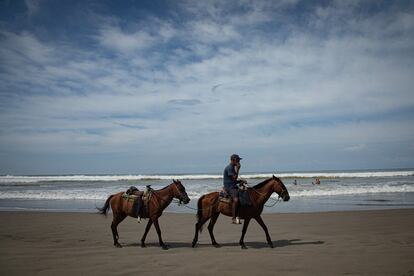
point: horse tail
(200, 212)
(105, 208)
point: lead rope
(180, 204)
(276, 201)
(196, 209)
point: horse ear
(273, 176)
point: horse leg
(263, 225)
(117, 219)
(245, 225)
(198, 226)
(211, 227)
(145, 233)
(157, 227)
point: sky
(178, 86)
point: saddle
(129, 194)
(225, 197)
(132, 195)
(244, 197)
(146, 198)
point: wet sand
(335, 243)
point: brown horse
(210, 207)
(160, 199)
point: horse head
(179, 191)
(280, 188)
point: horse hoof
(193, 245)
(216, 245)
(118, 245)
(243, 247)
(165, 247)
(271, 245)
(143, 245)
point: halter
(180, 194)
(281, 195)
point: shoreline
(379, 201)
(57, 211)
(379, 242)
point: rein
(276, 201)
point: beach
(379, 242)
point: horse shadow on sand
(255, 245)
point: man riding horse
(230, 181)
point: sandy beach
(334, 243)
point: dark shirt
(228, 174)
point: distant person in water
(294, 182)
(230, 181)
(317, 182)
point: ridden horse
(210, 207)
(160, 199)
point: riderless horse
(160, 199)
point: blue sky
(178, 86)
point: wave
(337, 191)
(196, 192)
(347, 174)
(113, 178)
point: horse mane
(163, 188)
(261, 184)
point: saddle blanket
(244, 198)
(145, 197)
(128, 197)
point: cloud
(131, 126)
(184, 102)
(117, 40)
(215, 77)
(355, 148)
(211, 32)
(33, 6)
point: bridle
(284, 190)
(181, 195)
(281, 195)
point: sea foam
(112, 178)
(196, 191)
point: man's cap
(235, 157)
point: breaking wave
(195, 192)
(113, 178)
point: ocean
(338, 191)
